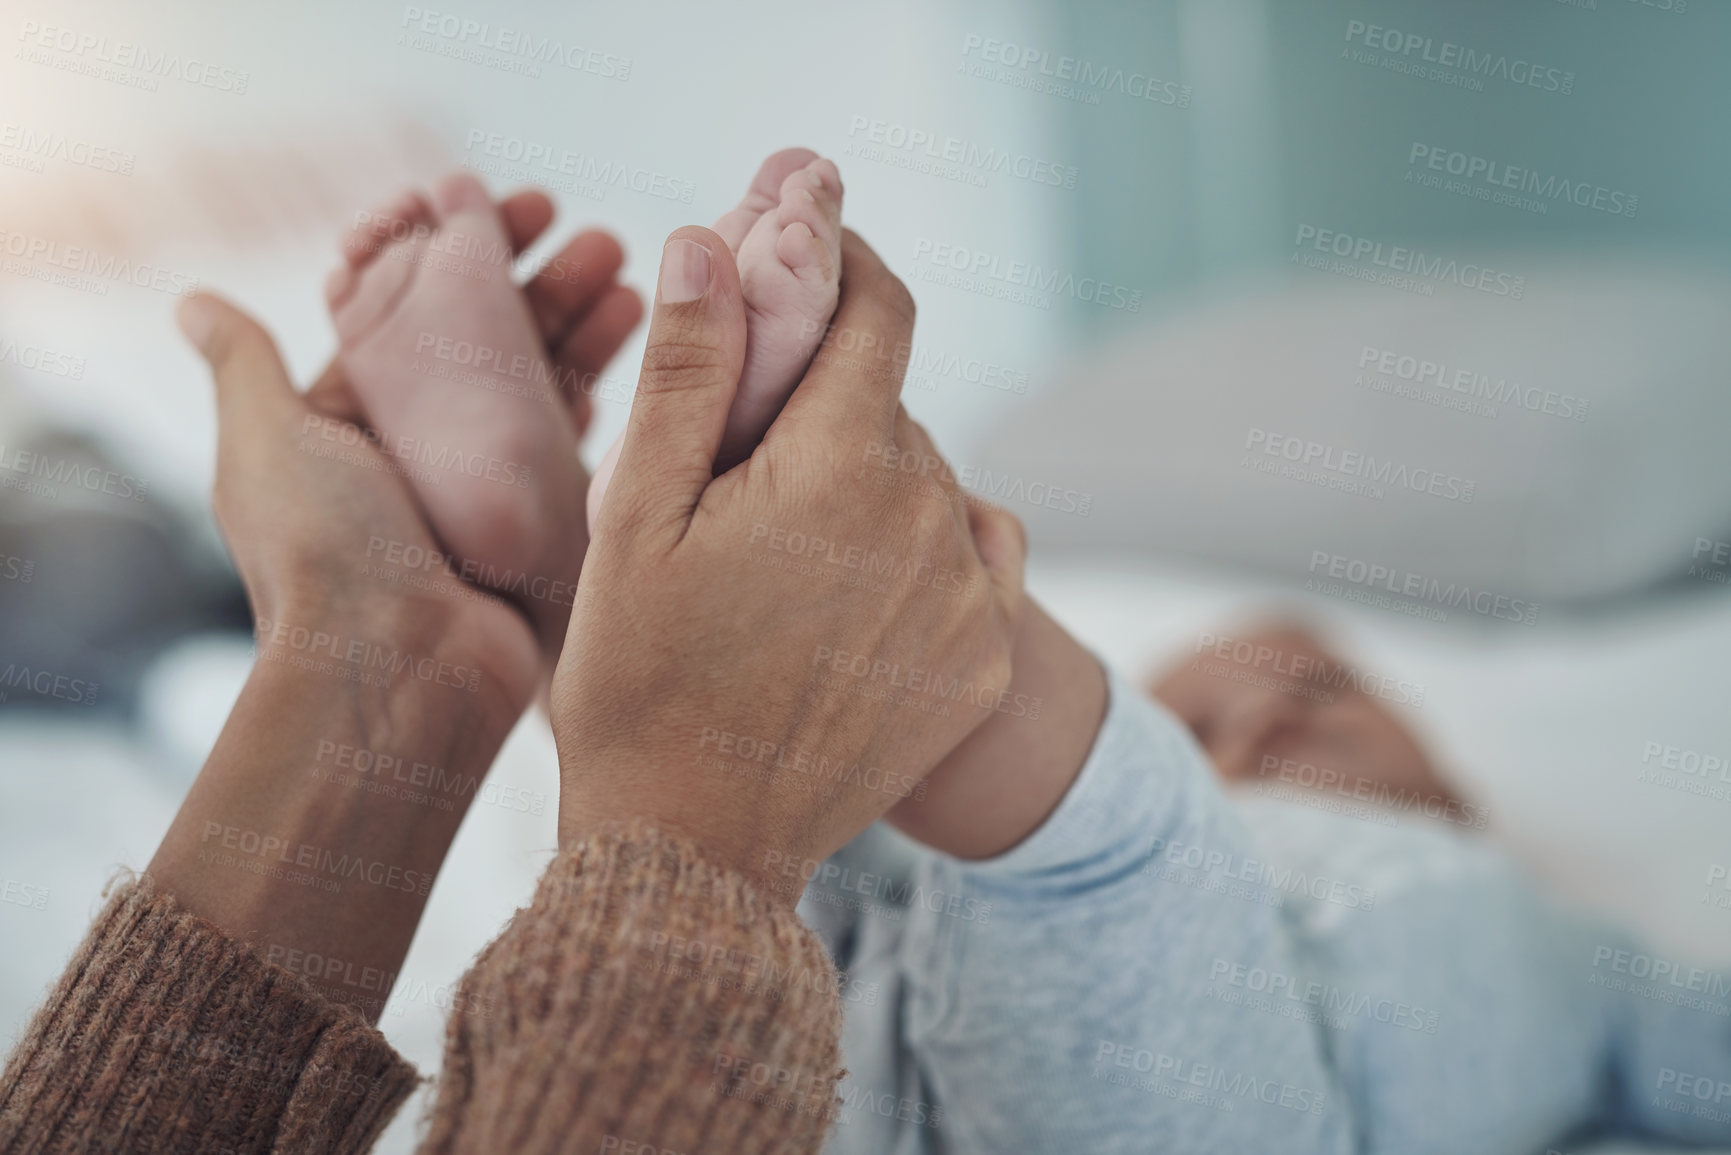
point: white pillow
(1602, 469)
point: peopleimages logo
(929, 684)
(1322, 781)
(69, 472)
(1399, 259)
(77, 259)
(1231, 1086)
(980, 267)
(919, 468)
(1473, 384)
(1498, 179)
(352, 657)
(37, 146)
(1360, 469)
(1309, 669)
(536, 158)
(896, 892)
(42, 360)
(404, 448)
(1453, 595)
(262, 847)
(88, 53)
(1070, 77)
(869, 563)
(1418, 50)
(819, 767)
(476, 36)
(47, 684)
(1267, 884)
(23, 894)
(1706, 775)
(416, 560)
(925, 145)
(1330, 1003)
(1657, 969)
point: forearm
(327, 806)
(1002, 782)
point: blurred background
(1482, 240)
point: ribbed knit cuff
(165, 1034)
(648, 997)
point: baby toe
(814, 201)
(812, 197)
(461, 192)
(762, 194)
(800, 250)
(826, 171)
(402, 219)
(369, 294)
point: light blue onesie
(1161, 969)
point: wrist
(329, 801)
(1007, 777)
(403, 649)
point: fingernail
(197, 319)
(684, 271)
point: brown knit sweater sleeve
(646, 1000)
(166, 1035)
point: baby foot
(490, 453)
(786, 237)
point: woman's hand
(584, 315)
(384, 684)
(319, 524)
(317, 825)
(767, 660)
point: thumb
(254, 401)
(691, 367)
(251, 381)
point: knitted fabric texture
(644, 996)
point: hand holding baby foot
(477, 388)
(786, 239)
(680, 631)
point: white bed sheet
(1545, 726)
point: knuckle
(930, 521)
(794, 468)
(897, 299)
(1012, 527)
(673, 365)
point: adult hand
(767, 660)
(318, 521)
(583, 314)
(315, 828)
